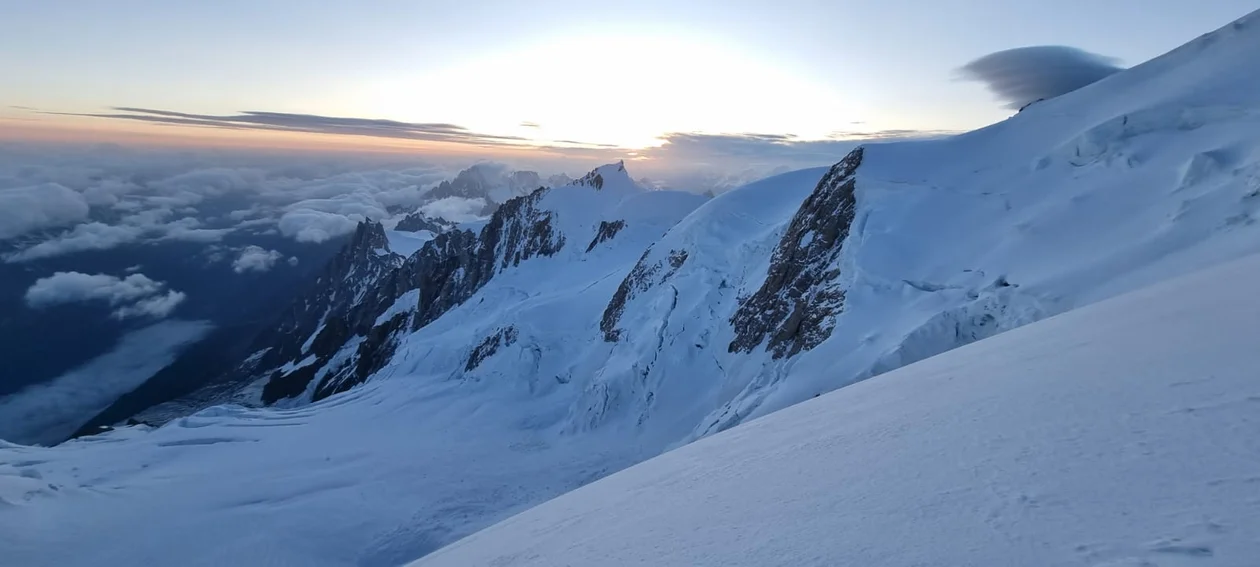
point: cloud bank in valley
(1025, 75)
(61, 201)
(48, 413)
(135, 295)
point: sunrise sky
(496, 77)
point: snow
(1118, 434)
(995, 453)
(407, 243)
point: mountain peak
(369, 235)
(610, 175)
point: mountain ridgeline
(349, 324)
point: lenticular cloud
(1028, 74)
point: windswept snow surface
(1126, 433)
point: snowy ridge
(508, 361)
(1117, 434)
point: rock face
(350, 344)
(596, 179)
(796, 305)
(503, 337)
(645, 275)
(607, 231)
(417, 221)
(336, 298)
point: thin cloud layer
(717, 162)
(48, 413)
(135, 295)
(1025, 75)
(316, 124)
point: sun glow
(621, 90)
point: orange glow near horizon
(70, 129)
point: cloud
(312, 123)
(24, 209)
(187, 229)
(212, 181)
(455, 209)
(50, 412)
(1027, 74)
(88, 236)
(255, 259)
(133, 296)
(307, 225)
(157, 307)
(131, 228)
(717, 162)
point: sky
(502, 76)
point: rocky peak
(369, 236)
(445, 272)
(491, 182)
(796, 306)
(417, 221)
(606, 175)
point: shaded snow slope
(1147, 174)
(1124, 433)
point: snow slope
(589, 327)
(1123, 433)
(1150, 173)
(376, 476)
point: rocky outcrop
(607, 231)
(417, 221)
(324, 314)
(490, 345)
(445, 272)
(647, 273)
(596, 178)
(795, 307)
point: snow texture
(1117, 434)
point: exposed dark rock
(372, 354)
(596, 179)
(796, 305)
(416, 222)
(640, 279)
(445, 272)
(606, 231)
(1025, 107)
(488, 347)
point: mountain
(582, 329)
(1116, 434)
(494, 184)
